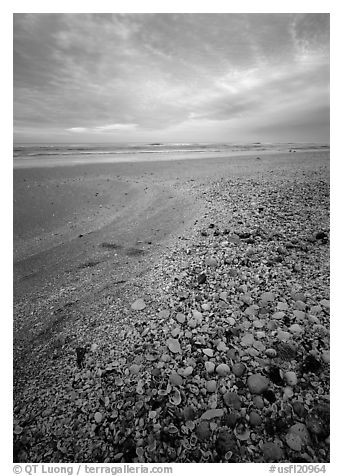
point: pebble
(210, 367)
(221, 347)
(223, 370)
(272, 325)
(255, 419)
(325, 303)
(300, 305)
(267, 297)
(283, 336)
(231, 354)
(211, 262)
(259, 346)
(189, 413)
(282, 306)
(272, 452)
(253, 352)
(257, 383)
(208, 352)
(98, 417)
(299, 315)
(134, 369)
(232, 399)
(138, 305)
(175, 379)
(313, 319)
(258, 402)
(231, 321)
(164, 314)
(297, 436)
(326, 356)
(188, 371)
(315, 310)
(278, 315)
(287, 393)
(211, 386)
(297, 296)
(251, 311)
(197, 316)
(180, 317)
(247, 340)
(238, 369)
(173, 345)
(192, 323)
(258, 323)
(260, 335)
(223, 295)
(296, 329)
(176, 331)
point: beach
(90, 239)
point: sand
(63, 214)
(78, 267)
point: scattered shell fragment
(98, 417)
(180, 317)
(211, 386)
(241, 432)
(213, 413)
(210, 367)
(175, 397)
(173, 345)
(271, 353)
(188, 371)
(208, 352)
(291, 378)
(138, 305)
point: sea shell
(175, 397)
(241, 432)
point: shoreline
(90, 308)
(157, 156)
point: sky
(171, 77)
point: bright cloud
(116, 127)
(171, 76)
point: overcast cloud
(184, 77)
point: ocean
(41, 155)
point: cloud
(77, 129)
(147, 73)
(116, 127)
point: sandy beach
(91, 239)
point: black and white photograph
(171, 240)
